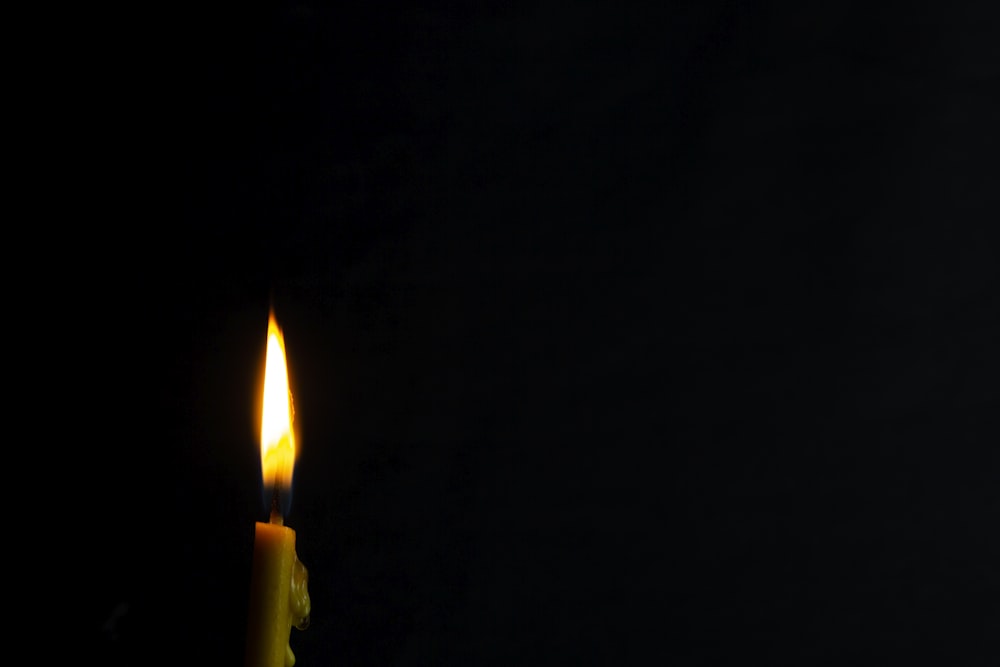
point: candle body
(279, 597)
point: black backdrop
(635, 336)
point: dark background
(636, 336)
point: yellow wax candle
(279, 596)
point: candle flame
(277, 438)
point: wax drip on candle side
(300, 604)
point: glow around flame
(277, 437)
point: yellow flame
(277, 438)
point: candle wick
(276, 517)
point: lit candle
(279, 597)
